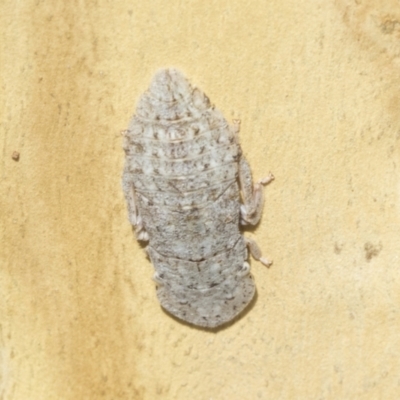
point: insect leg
(245, 269)
(133, 213)
(158, 279)
(255, 251)
(250, 210)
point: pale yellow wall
(316, 85)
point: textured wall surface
(316, 85)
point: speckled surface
(315, 85)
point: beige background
(316, 85)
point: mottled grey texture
(181, 181)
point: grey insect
(183, 180)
